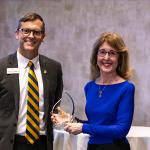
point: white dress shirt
(23, 81)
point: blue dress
(109, 116)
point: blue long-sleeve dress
(109, 116)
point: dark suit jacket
(9, 97)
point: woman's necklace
(103, 84)
(101, 90)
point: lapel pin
(45, 71)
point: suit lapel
(46, 86)
(14, 78)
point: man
(30, 84)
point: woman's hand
(61, 117)
(73, 128)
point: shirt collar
(23, 61)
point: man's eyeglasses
(103, 52)
(27, 32)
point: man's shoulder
(48, 60)
(6, 58)
(3, 65)
(3, 59)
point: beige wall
(72, 27)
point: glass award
(64, 108)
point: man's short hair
(31, 17)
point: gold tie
(32, 121)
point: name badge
(12, 70)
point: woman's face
(107, 58)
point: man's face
(30, 36)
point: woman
(109, 96)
